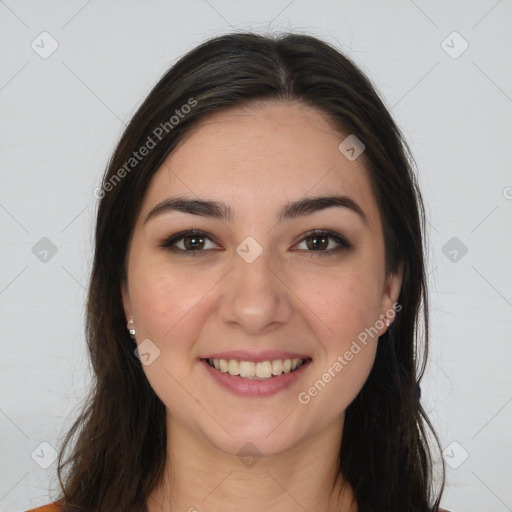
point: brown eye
(320, 241)
(188, 242)
(193, 242)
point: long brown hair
(117, 445)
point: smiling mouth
(263, 370)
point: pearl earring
(131, 328)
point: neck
(200, 477)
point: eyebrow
(222, 211)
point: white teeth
(260, 371)
(247, 369)
(277, 367)
(233, 367)
(264, 370)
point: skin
(255, 159)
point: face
(261, 284)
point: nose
(255, 297)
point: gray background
(62, 115)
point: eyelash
(343, 243)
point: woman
(259, 240)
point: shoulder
(52, 507)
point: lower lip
(255, 388)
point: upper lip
(263, 355)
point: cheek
(346, 301)
(335, 385)
(166, 302)
(345, 307)
(163, 297)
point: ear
(390, 296)
(126, 300)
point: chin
(257, 436)
(253, 446)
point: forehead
(260, 156)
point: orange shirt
(52, 507)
